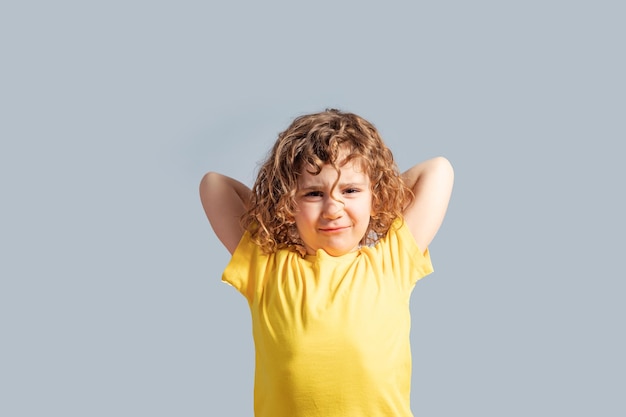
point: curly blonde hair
(314, 140)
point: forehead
(352, 171)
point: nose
(333, 208)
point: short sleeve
(402, 256)
(240, 271)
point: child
(327, 247)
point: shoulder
(398, 252)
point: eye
(351, 190)
(313, 194)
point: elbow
(209, 176)
(209, 179)
(443, 166)
(443, 173)
(442, 161)
(208, 183)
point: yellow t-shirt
(331, 334)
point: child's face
(333, 219)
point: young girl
(327, 247)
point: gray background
(110, 295)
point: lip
(333, 229)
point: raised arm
(431, 182)
(224, 200)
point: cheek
(372, 209)
(302, 216)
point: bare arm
(224, 200)
(431, 182)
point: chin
(339, 251)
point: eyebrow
(317, 187)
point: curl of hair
(310, 142)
